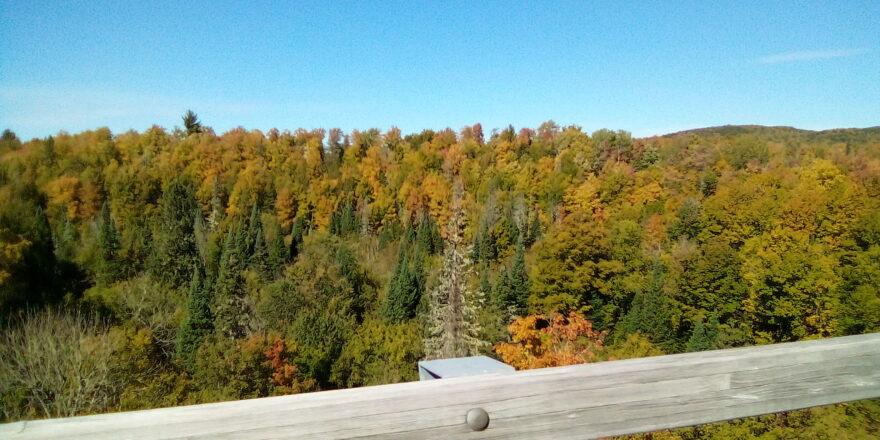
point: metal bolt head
(477, 419)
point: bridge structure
(580, 401)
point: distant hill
(783, 133)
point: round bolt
(477, 419)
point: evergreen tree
(176, 252)
(405, 287)
(254, 228)
(452, 327)
(231, 311)
(191, 122)
(688, 223)
(513, 285)
(348, 223)
(198, 323)
(259, 257)
(296, 238)
(650, 312)
(703, 336)
(278, 252)
(108, 241)
(428, 238)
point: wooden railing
(580, 401)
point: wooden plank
(580, 401)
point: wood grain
(580, 401)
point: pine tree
(428, 238)
(650, 312)
(452, 327)
(109, 269)
(176, 253)
(296, 238)
(405, 287)
(688, 223)
(259, 257)
(513, 285)
(348, 223)
(278, 252)
(703, 336)
(231, 311)
(191, 122)
(198, 323)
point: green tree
(175, 252)
(406, 286)
(191, 122)
(109, 268)
(231, 311)
(199, 322)
(650, 312)
(703, 337)
(513, 285)
(278, 251)
(687, 222)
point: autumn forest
(172, 267)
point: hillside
(179, 266)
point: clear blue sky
(646, 67)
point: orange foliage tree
(539, 341)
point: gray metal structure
(458, 367)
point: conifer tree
(198, 323)
(231, 311)
(296, 238)
(191, 122)
(428, 238)
(108, 241)
(346, 222)
(452, 327)
(406, 286)
(259, 257)
(176, 252)
(650, 311)
(278, 252)
(513, 285)
(703, 336)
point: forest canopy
(184, 266)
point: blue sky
(646, 67)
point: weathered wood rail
(580, 401)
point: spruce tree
(348, 223)
(513, 285)
(259, 257)
(231, 311)
(703, 336)
(198, 323)
(278, 252)
(176, 254)
(296, 238)
(452, 327)
(650, 312)
(428, 238)
(109, 269)
(405, 287)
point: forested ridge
(173, 267)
